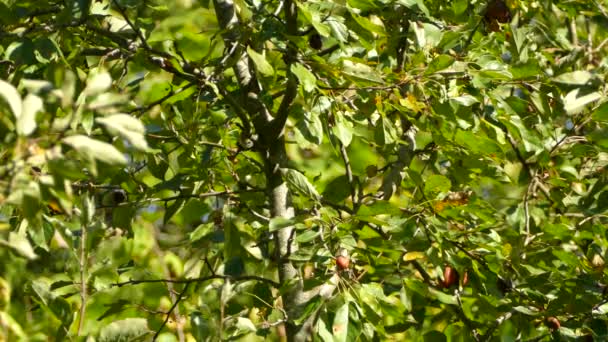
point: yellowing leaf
(409, 256)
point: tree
(334, 170)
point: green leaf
(496, 75)
(601, 113)
(311, 126)
(313, 19)
(361, 71)
(95, 149)
(439, 63)
(245, 325)
(278, 222)
(306, 78)
(340, 325)
(339, 30)
(337, 190)
(323, 332)
(60, 307)
(21, 245)
(26, 123)
(261, 64)
(437, 184)
(579, 77)
(464, 100)
(127, 127)
(98, 82)
(343, 129)
(367, 24)
(530, 311)
(307, 236)
(125, 330)
(201, 231)
(11, 97)
(574, 102)
(443, 297)
(299, 183)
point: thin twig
(199, 280)
(467, 322)
(488, 335)
(349, 176)
(142, 109)
(83, 282)
(177, 300)
(136, 29)
(527, 213)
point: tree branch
(177, 300)
(200, 280)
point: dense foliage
(337, 170)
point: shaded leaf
(124, 330)
(95, 149)
(261, 64)
(298, 182)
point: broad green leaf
(339, 327)
(530, 311)
(443, 297)
(313, 19)
(601, 113)
(579, 77)
(298, 182)
(477, 143)
(437, 184)
(127, 127)
(337, 190)
(306, 78)
(128, 329)
(56, 304)
(307, 236)
(261, 64)
(11, 97)
(323, 332)
(339, 30)
(26, 123)
(574, 102)
(278, 222)
(21, 245)
(439, 63)
(343, 129)
(416, 4)
(496, 75)
(201, 231)
(311, 127)
(367, 24)
(95, 149)
(361, 71)
(245, 325)
(465, 100)
(98, 82)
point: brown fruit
(497, 12)
(465, 278)
(553, 323)
(343, 262)
(450, 277)
(315, 41)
